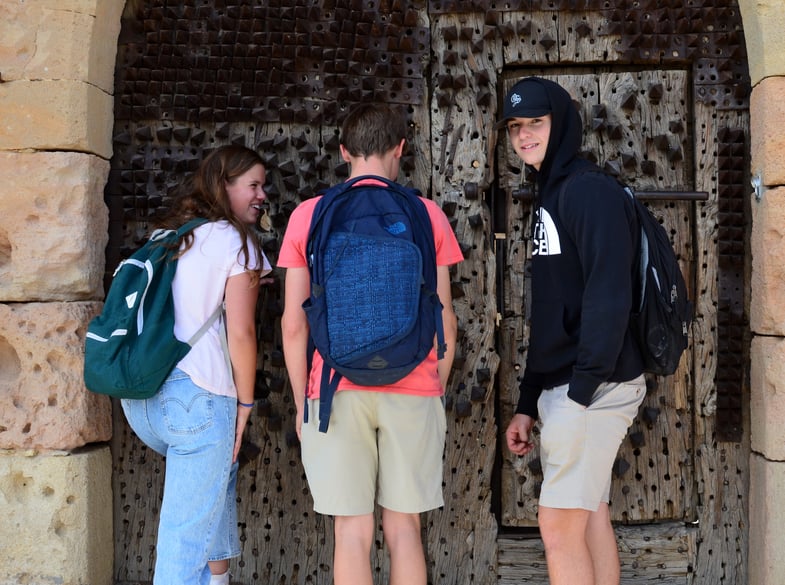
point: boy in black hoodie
(583, 377)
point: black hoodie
(584, 243)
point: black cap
(526, 99)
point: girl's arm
(241, 299)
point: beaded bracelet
(248, 405)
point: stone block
(764, 23)
(56, 115)
(767, 516)
(54, 226)
(67, 40)
(57, 518)
(767, 247)
(44, 403)
(767, 396)
(767, 130)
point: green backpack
(130, 348)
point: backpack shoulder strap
(203, 329)
(584, 171)
(163, 233)
(190, 225)
(596, 170)
(336, 192)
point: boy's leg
(580, 546)
(341, 466)
(404, 540)
(411, 446)
(601, 540)
(578, 446)
(568, 556)
(353, 540)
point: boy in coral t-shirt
(384, 444)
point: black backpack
(661, 321)
(373, 310)
(662, 312)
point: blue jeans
(194, 429)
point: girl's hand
(243, 414)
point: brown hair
(372, 129)
(204, 195)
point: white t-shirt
(198, 288)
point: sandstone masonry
(56, 115)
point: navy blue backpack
(373, 310)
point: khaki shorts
(380, 447)
(578, 444)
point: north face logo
(397, 228)
(546, 237)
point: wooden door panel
(635, 125)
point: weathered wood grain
(721, 468)
(654, 553)
(461, 536)
(138, 488)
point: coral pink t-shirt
(424, 379)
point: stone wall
(764, 23)
(56, 114)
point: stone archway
(55, 107)
(764, 23)
(56, 88)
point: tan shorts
(380, 447)
(578, 444)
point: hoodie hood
(566, 134)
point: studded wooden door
(636, 126)
(279, 77)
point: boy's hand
(518, 434)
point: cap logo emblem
(515, 99)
